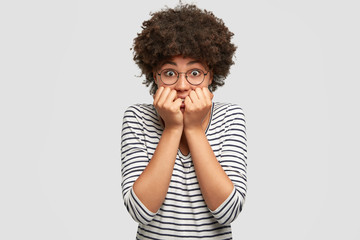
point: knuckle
(160, 104)
(173, 108)
(166, 105)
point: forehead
(180, 61)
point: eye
(195, 73)
(169, 73)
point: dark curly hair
(188, 31)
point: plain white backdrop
(67, 76)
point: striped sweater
(184, 214)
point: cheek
(202, 85)
(161, 84)
(195, 87)
(205, 84)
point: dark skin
(185, 110)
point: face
(183, 65)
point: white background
(67, 76)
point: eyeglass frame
(186, 77)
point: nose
(182, 84)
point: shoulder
(139, 110)
(229, 116)
(227, 110)
(145, 113)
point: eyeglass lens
(193, 76)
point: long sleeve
(233, 161)
(134, 159)
(184, 213)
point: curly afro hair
(188, 31)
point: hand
(197, 106)
(168, 106)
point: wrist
(177, 129)
(193, 129)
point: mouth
(182, 103)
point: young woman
(184, 156)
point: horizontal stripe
(184, 214)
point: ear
(154, 76)
(211, 77)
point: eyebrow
(189, 63)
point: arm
(215, 185)
(134, 159)
(223, 184)
(152, 185)
(149, 187)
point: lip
(183, 103)
(182, 99)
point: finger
(158, 94)
(177, 103)
(208, 95)
(171, 96)
(200, 94)
(187, 101)
(194, 97)
(164, 96)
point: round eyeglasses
(193, 76)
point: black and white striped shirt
(184, 214)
